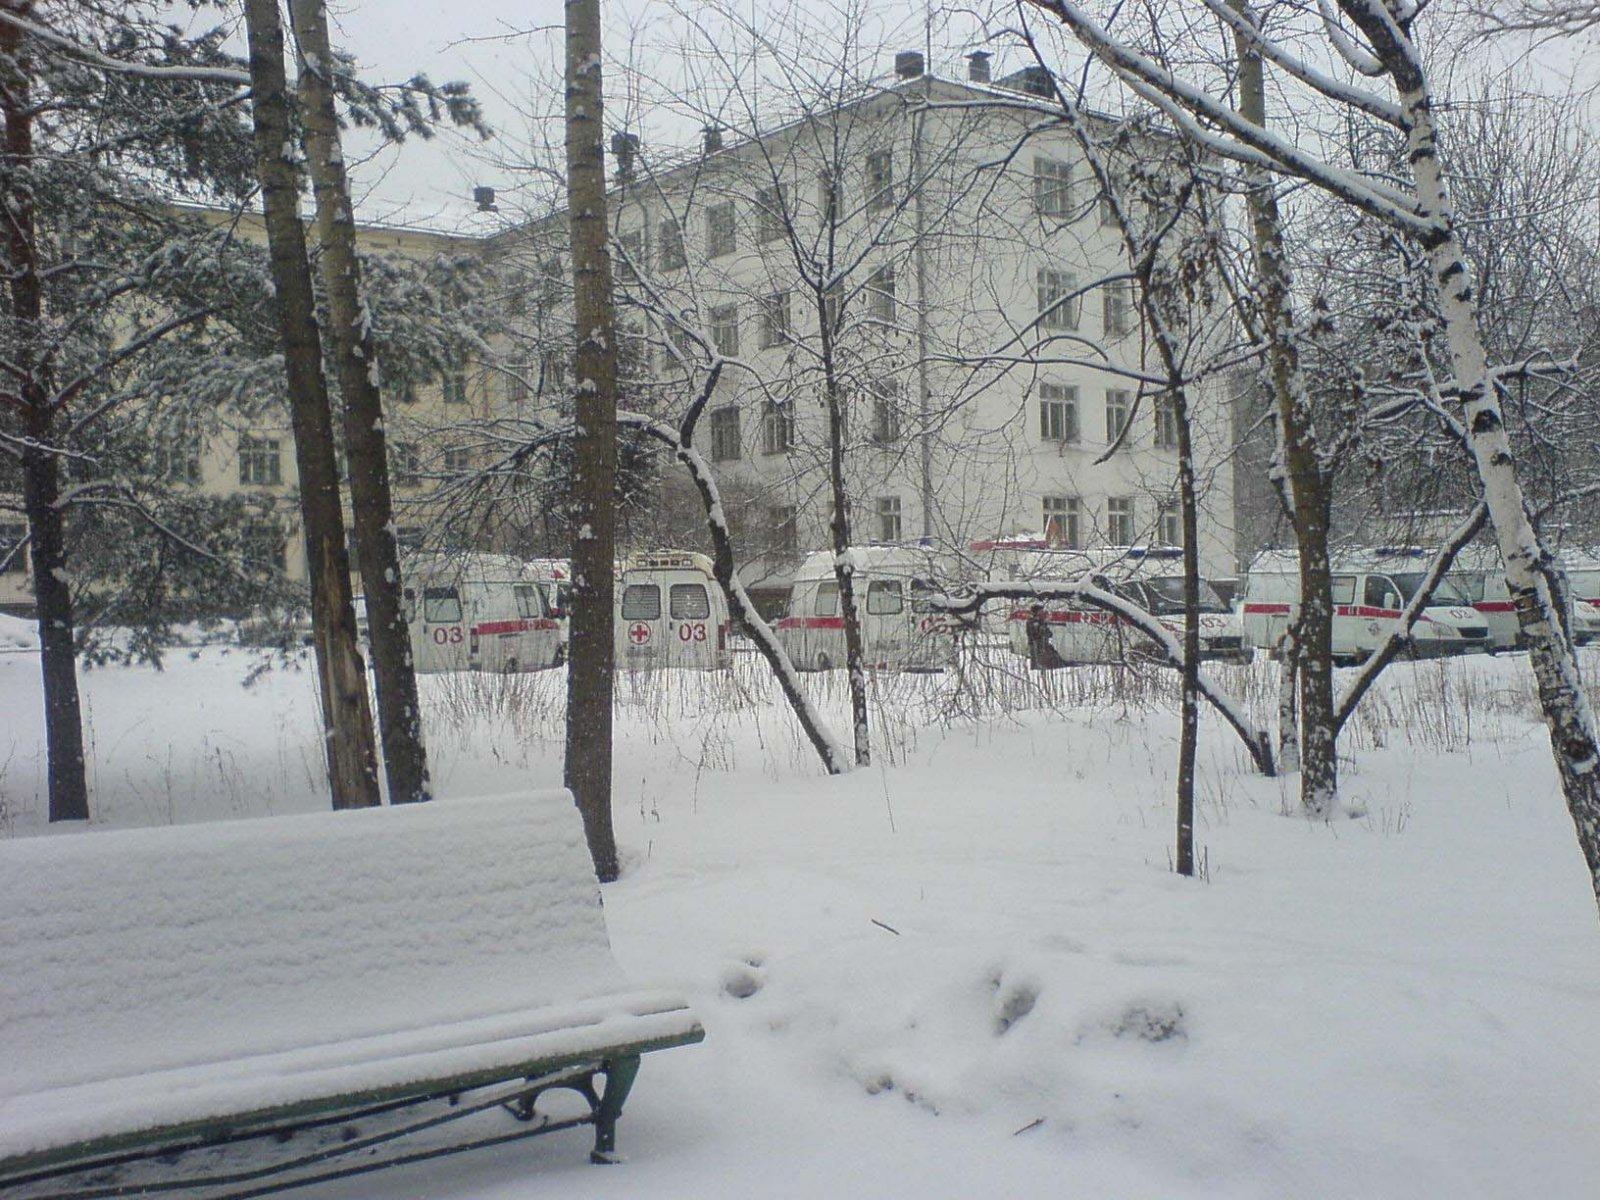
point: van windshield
(1446, 593)
(1584, 584)
(1469, 585)
(1166, 596)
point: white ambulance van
(476, 612)
(554, 578)
(1370, 589)
(1148, 576)
(899, 631)
(1479, 574)
(671, 613)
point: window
(1381, 593)
(527, 597)
(725, 329)
(1169, 524)
(457, 460)
(833, 304)
(407, 466)
(1118, 405)
(774, 320)
(260, 462)
(830, 197)
(1119, 520)
(1058, 306)
(720, 237)
(1344, 589)
(1052, 187)
(1119, 307)
(1108, 212)
(771, 206)
(455, 387)
(1062, 521)
(669, 246)
(777, 428)
(888, 518)
(886, 411)
(641, 602)
(1166, 414)
(884, 598)
(263, 546)
(784, 521)
(881, 304)
(1058, 413)
(517, 389)
(631, 256)
(880, 180)
(408, 538)
(13, 559)
(688, 602)
(827, 601)
(725, 434)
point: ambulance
(1150, 577)
(899, 630)
(477, 612)
(1479, 574)
(1370, 589)
(554, 578)
(671, 613)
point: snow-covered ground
(969, 971)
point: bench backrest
(129, 951)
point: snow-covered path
(1403, 1004)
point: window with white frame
(833, 304)
(777, 427)
(1058, 412)
(178, 455)
(721, 235)
(669, 246)
(830, 197)
(1119, 403)
(725, 444)
(631, 257)
(1118, 298)
(783, 520)
(406, 463)
(1063, 521)
(1119, 521)
(774, 320)
(880, 180)
(886, 411)
(888, 511)
(516, 377)
(454, 386)
(881, 303)
(725, 328)
(260, 461)
(1169, 524)
(457, 460)
(1166, 420)
(1058, 306)
(771, 207)
(1052, 187)
(1108, 212)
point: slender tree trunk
(1188, 741)
(41, 469)
(1555, 667)
(592, 649)
(347, 719)
(365, 441)
(843, 565)
(1288, 709)
(1308, 491)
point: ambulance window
(688, 602)
(921, 589)
(1470, 586)
(827, 600)
(641, 602)
(884, 598)
(1381, 593)
(409, 603)
(527, 600)
(441, 604)
(1344, 589)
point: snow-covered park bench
(259, 1003)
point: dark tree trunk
(365, 441)
(41, 469)
(1308, 488)
(591, 649)
(1188, 740)
(347, 719)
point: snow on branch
(93, 57)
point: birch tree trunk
(365, 441)
(1308, 491)
(41, 469)
(1566, 709)
(341, 675)
(592, 648)
(843, 566)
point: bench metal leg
(619, 1073)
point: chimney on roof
(978, 66)
(483, 197)
(1034, 80)
(908, 64)
(712, 139)
(624, 148)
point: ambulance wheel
(822, 662)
